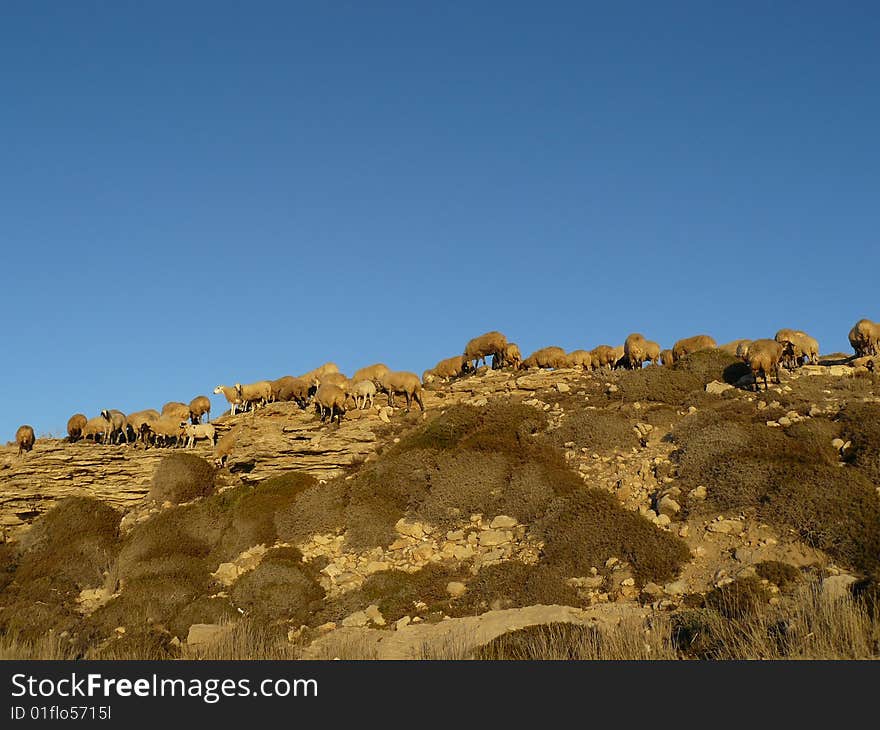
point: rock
(563, 387)
(207, 633)
(328, 626)
(784, 421)
(676, 588)
(402, 622)
(226, 573)
(697, 493)
(653, 590)
(455, 588)
(838, 444)
(410, 529)
(463, 552)
(726, 527)
(611, 562)
(455, 535)
(373, 613)
(835, 587)
(668, 506)
(502, 522)
(357, 619)
(716, 387)
(423, 552)
(489, 538)
(376, 566)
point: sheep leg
(406, 393)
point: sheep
(95, 427)
(763, 359)
(164, 430)
(254, 394)
(371, 372)
(546, 357)
(402, 382)
(175, 410)
(479, 348)
(652, 351)
(446, 369)
(336, 378)
(194, 431)
(232, 396)
(224, 447)
(198, 407)
(117, 427)
(692, 344)
(798, 345)
(635, 350)
(25, 438)
(619, 356)
(295, 389)
(579, 359)
(742, 350)
(136, 421)
(330, 399)
(602, 355)
(363, 389)
(325, 369)
(511, 356)
(666, 357)
(865, 338)
(732, 347)
(75, 426)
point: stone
(502, 522)
(838, 444)
(207, 633)
(675, 588)
(784, 421)
(357, 619)
(409, 529)
(563, 387)
(698, 493)
(726, 527)
(455, 535)
(668, 506)
(402, 622)
(835, 587)
(455, 588)
(489, 538)
(462, 552)
(423, 552)
(716, 387)
(226, 573)
(376, 566)
(373, 613)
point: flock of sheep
(331, 392)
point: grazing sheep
(336, 378)
(666, 357)
(546, 357)
(164, 430)
(135, 422)
(511, 357)
(198, 407)
(75, 426)
(798, 346)
(402, 382)
(371, 372)
(446, 369)
(603, 355)
(361, 392)
(635, 350)
(692, 344)
(330, 399)
(652, 352)
(232, 396)
(619, 356)
(490, 344)
(224, 447)
(731, 347)
(325, 369)
(195, 431)
(764, 357)
(742, 350)
(865, 338)
(579, 359)
(117, 422)
(295, 389)
(175, 410)
(25, 438)
(95, 427)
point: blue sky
(203, 193)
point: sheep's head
(105, 414)
(218, 390)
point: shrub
(597, 430)
(660, 384)
(180, 478)
(709, 365)
(555, 641)
(778, 573)
(739, 599)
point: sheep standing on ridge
(330, 399)
(195, 431)
(652, 352)
(175, 410)
(361, 392)
(95, 427)
(798, 346)
(135, 423)
(546, 357)
(512, 357)
(198, 407)
(25, 438)
(579, 359)
(732, 347)
(75, 426)
(489, 344)
(666, 358)
(295, 389)
(865, 338)
(764, 357)
(635, 350)
(602, 356)
(371, 372)
(254, 395)
(116, 425)
(692, 344)
(445, 369)
(402, 382)
(232, 396)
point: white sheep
(195, 431)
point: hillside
(519, 498)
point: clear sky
(202, 193)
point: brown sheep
(330, 399)
(732, 347)
(635, 350)
(579, 359)
(798, 346)
(446, 369)
(325, 369)
(337, 379)
(666, 357)
(75, 426)
(602, 355)
(652, 352)
(371, 372)
(232, 396)
(25, 438)
(402, 382)
(176, 411)
(865, 338)
(512, 357)
(254, 394)
(763, 358)
(478, 349)
(295, 389)
(224, 447)
(116, 419)
(95, 427)
(198, 407)
(546, 357)
(135, 422)
(692, 344)
(619, 356)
